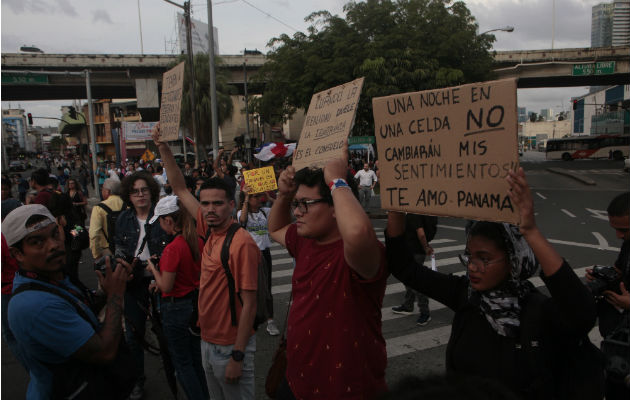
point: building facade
(602, 112)
(621, 23)
(601, 25)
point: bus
(602, 146)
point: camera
(100, 264)
(605, 278)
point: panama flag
(275, 150)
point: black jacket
(474, 348)
(128, 232)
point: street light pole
(92, 129)
(503, 29)
(247, 137)
(213, 86)
(193, 105)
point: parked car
(626, 165)
(17, 165)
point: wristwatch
(238, 355)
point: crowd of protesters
(166, 243)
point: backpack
(78, 380)
(263, 295)
(557, 368)
(112, 216)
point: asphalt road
(570, 213)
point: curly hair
(130, 180)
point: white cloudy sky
(112, 26)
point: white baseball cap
(167, 205)
(14, 226)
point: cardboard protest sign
(327, 125)
(172, 85)
(447, 151)
(260, 179)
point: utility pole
(92, 129)
(193, 105)
(213, 86)
(248, 145)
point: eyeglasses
(137, 192)
(481, 263)
(302, 205)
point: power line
(251, 5)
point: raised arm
(245, 210)
(216, 164)
(174, 174)
(280, 215)
(521, 195)
(360, 245)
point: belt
(172, 299)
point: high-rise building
(547, 114)
(601, 25)
(522, 114)
(621, 23)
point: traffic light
(30, 118)
(575, 102)
(72, 112)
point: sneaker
(402, 310)
(423, 319)
(272, 329)
(137, 393)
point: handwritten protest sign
(260, 179)
(447, 151)
(327, 125)
(172, 85)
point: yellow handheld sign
(261, 179)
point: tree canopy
(397, 45)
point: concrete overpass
(112, 75)
(117, 75)
(556, 68)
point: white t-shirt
(257, 227)
(161, 181)
(366, 178)
(145, 255)
(113, 174)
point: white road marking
(457, 228)
(541, 196)
(603, 243)
(567, 213)
(599, 214)
(591, 246)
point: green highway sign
(598, 68)
(361, 140)
(30, 79)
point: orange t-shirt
(215, 319)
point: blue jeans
(184, 348)
(7, 335)
(215, 360)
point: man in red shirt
(335, 347)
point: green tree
(202, 97)
(397, 45)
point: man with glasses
(136, 241)
(613, 309)
(228, 341)
(335, 347)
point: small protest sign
(327, 125)
(260, 179)
(172, 85)
(447, 151)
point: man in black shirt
(419, 231)
(613, 308)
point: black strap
(108, 211)
(50, 289)
(225, 257)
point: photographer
(56, 335)
(613, 307)
(136, 241)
